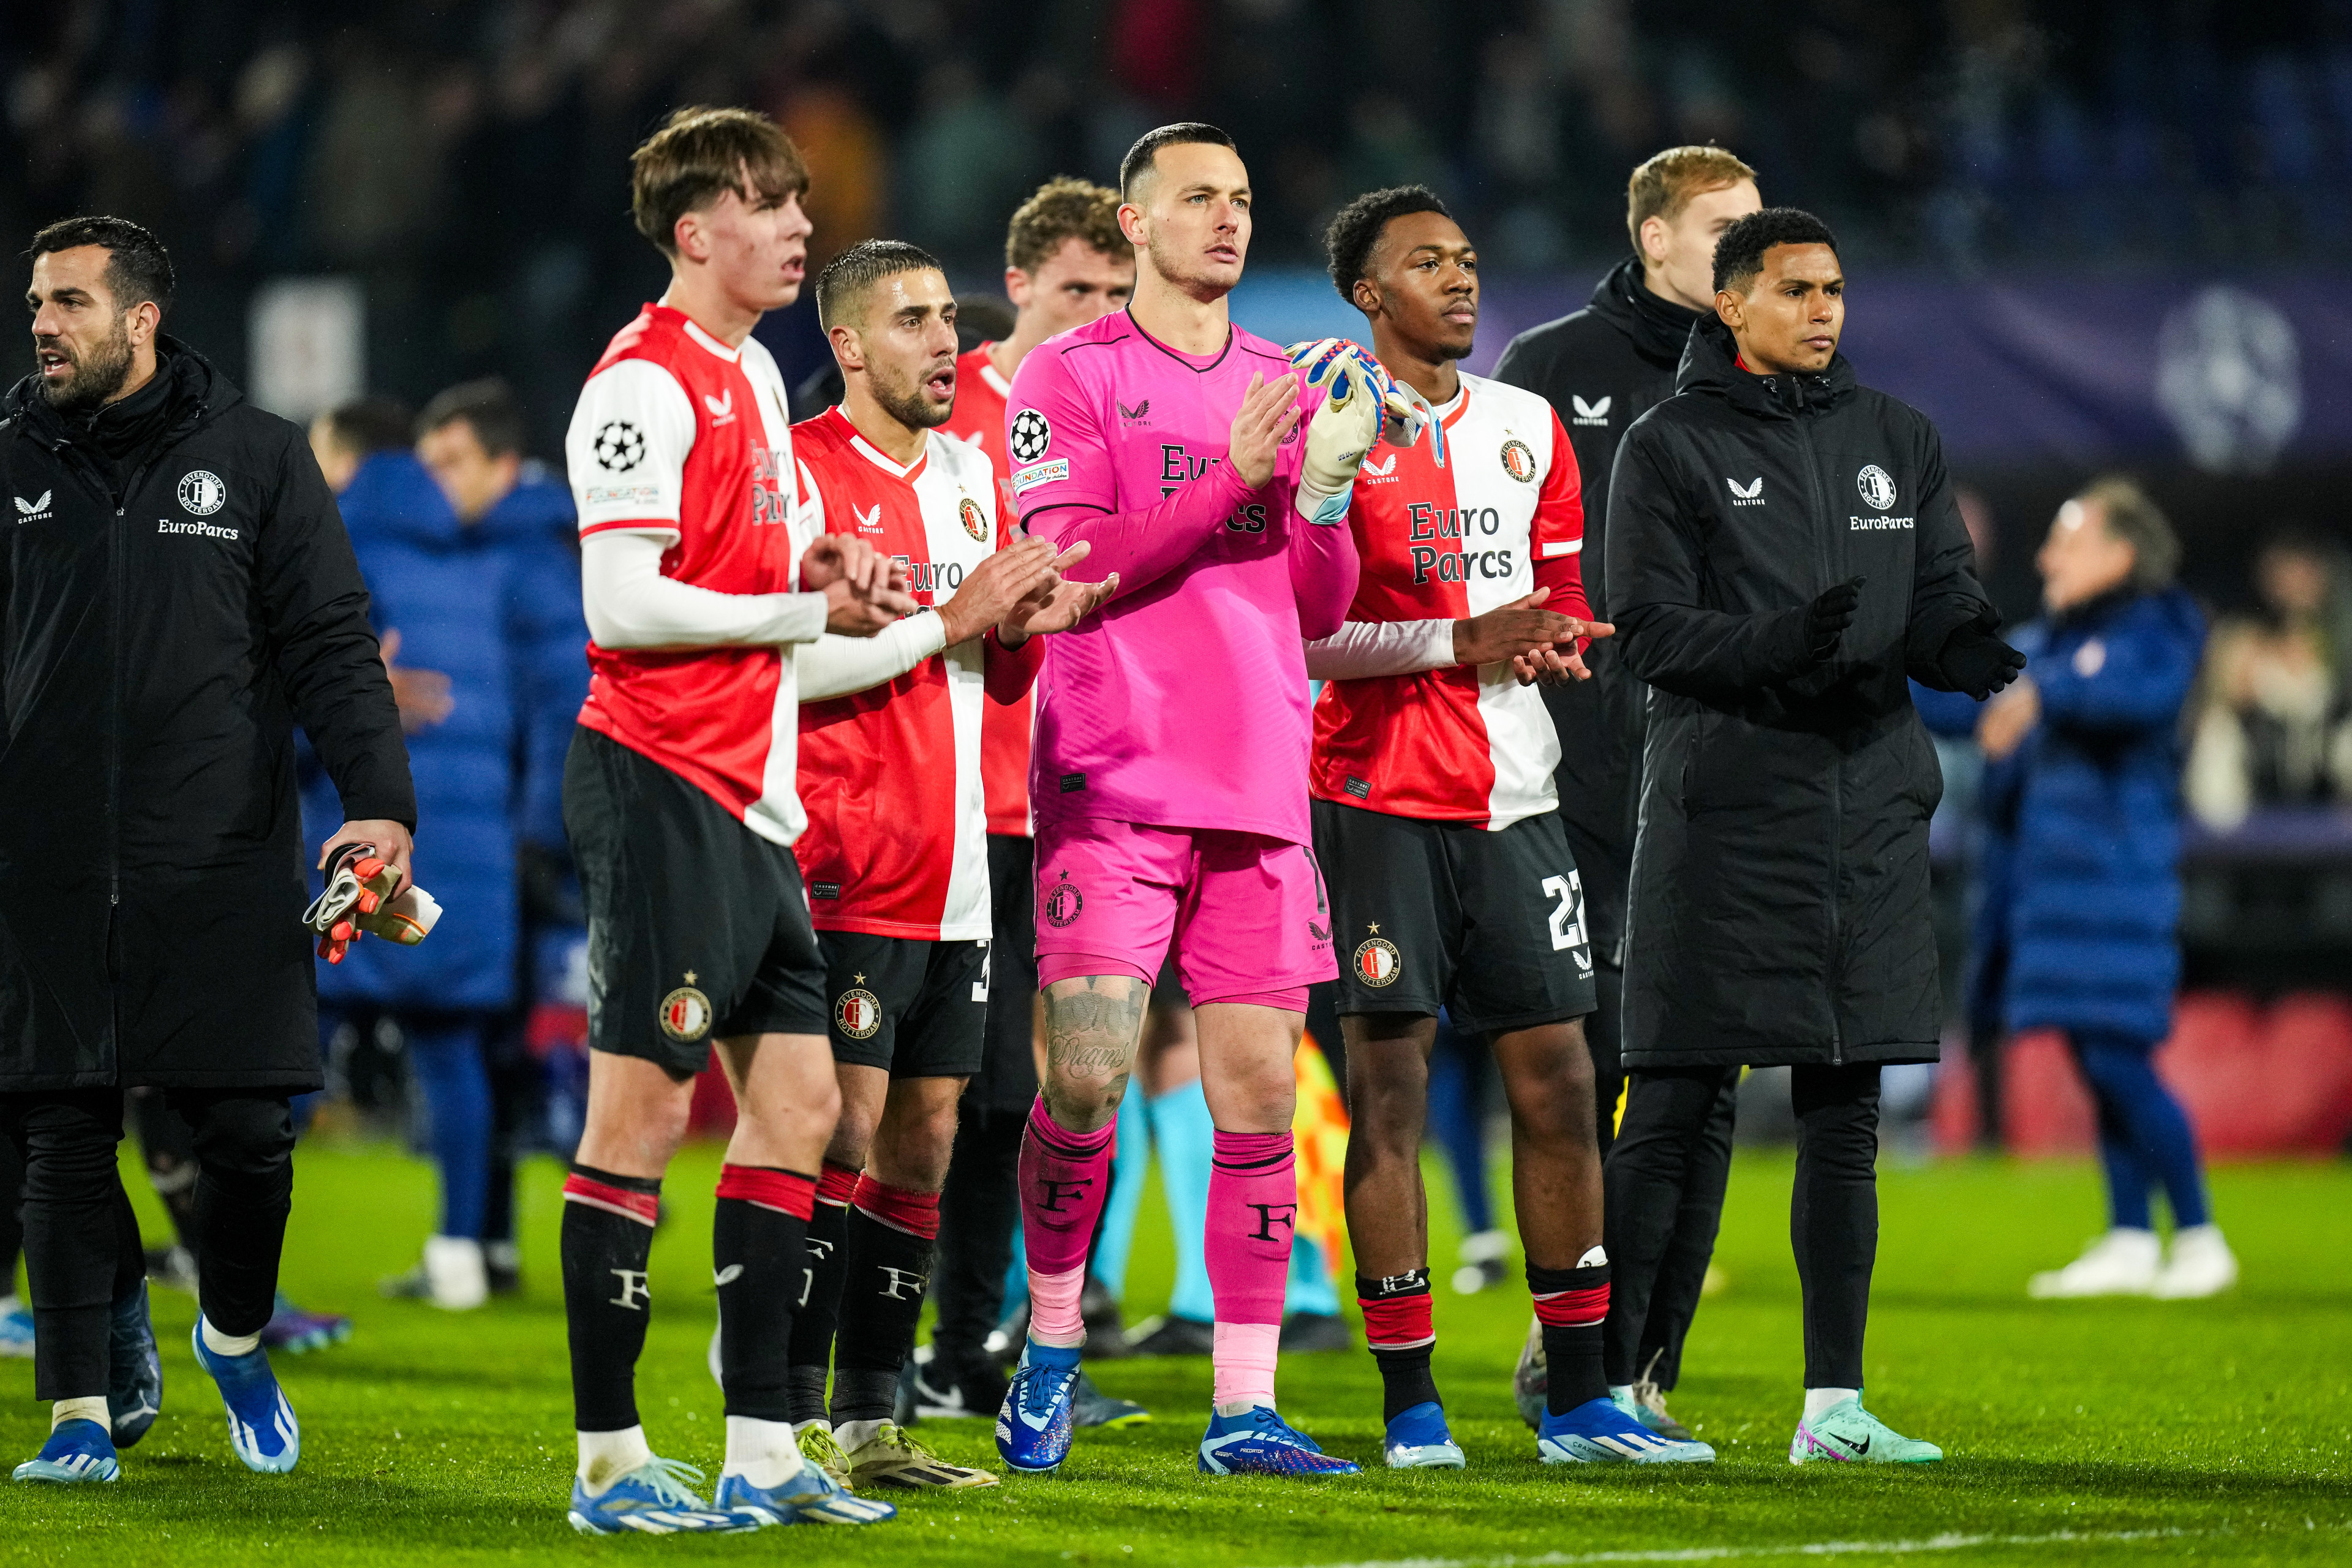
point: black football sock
(759, 1245)
(819, 1313)
(1572, 1304)
(129, 1256)
(608, 1234)
(888, 1266)
(1397, 1327)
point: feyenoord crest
(858, 1013)
(973, 523)
(1876, 485)
(686, 1012)
(1378, 962)
(200, 491)
(1519, 462)
(1062, 904)
(1029, 437)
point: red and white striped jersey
(1504, 517)
(979, 420)
(678, 436)
(897, 842)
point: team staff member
(1783, 551)
(1065, 265)
(180, 594)
(1437, 820)
(896, 855)
(1600, 369)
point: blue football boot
(1598, 1433)
(1032, 1428)
(134, 1373)
(653, 1499)
(1418, 1440)
(811, 1497)
(1257, 1442)
(76, 1451)
(262, 1431)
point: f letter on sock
(1253, 1210)
(1065, 1177)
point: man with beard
(896, 855)
(1784, 551)
(1437, 818)
(180, 594)
(1600, 369)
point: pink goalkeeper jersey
(1184, 702)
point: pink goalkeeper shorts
(1248, 913)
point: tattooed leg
(1093, 1027)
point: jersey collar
(993, 382)
(1453, 408)
(876, 455)
(701, 339)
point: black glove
(1975, 661)
(1828, 617)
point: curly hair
(1357, 227)
(1739, 254)
(1063, 209)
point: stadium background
(2083, 236)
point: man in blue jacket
(466, 556)
(2094, 894)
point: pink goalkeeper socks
(1065, 1177)
(1253, 1207)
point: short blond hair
(1663, 186)
(1063, 209)
(698, 156)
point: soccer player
(1437, 817)
(1783, 551)
(1168, 776)
(681, 802)
(1065, 264)
(895, 856)
(1600, 369)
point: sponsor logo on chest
(1594, 413)
(1749, 494)
(1878, 491)
(33, 511)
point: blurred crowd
(465, 160)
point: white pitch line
(1952, 1543)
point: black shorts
(1489, 926)
(698, 927)
(914, 1008)
(1007, 1080)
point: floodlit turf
(2119, 1431)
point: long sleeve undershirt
(1362, 649)
(630, 604)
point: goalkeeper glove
(355, 903)
(1403, 414)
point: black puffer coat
(176, 592)
(1780, 901)
(1600, 369)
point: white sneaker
(2120, 1263)
(454, 1269)
(2202, 1265)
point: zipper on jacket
(114, 715)
(1817, 507)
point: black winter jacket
(1600, 369)
(167, 614)
(1780, 899)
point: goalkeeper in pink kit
(1170, 767)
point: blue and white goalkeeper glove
(1361, 404)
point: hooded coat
(2093, 813)
(495, 606)
(1779, 909)
(1600, 369)
(176, 593)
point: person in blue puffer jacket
(475, 594)
(2094, 896)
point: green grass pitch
(2215, 1431)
